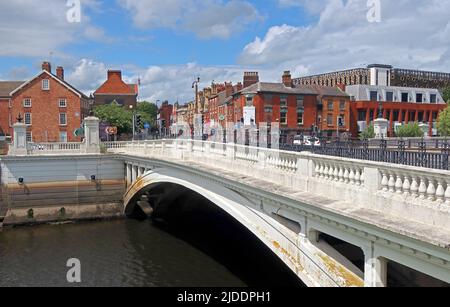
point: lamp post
(196, 109)
(134, 120)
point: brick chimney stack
(60, 73)
(229, 89)
(250, 78)
(47, 66)
(287, 79)
(114, 74)
(239, 87)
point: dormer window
(45, 85)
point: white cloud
(171, 82)
(412, 34)
(36, 28)
(205, 18)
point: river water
(143, 254)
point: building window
(342, 105)
(300, 115)
(27, 103)
(249, 101)
(330, 120)
(268, 109)
(389, 96)
(405, 97)
(419, 98)
(63, 136)
(62, 103)
(62, 119)
(433, 98)
(28, 119)
(373, 96)
(45, 85)
(330, 105)
(300, 99)
(341, 121)
(283, 110)
(29, 137)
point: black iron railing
(422, 156)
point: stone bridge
(333, 221)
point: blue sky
(168, 43)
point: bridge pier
(375, 268)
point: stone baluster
(341, 174)
(431, 191)
(352, 176)
(440, 192)
(447, 193)
(414, 187)
(326, 171)
(317, 170)
(346, 175)
(385, 181)
(357, 177)
(336, 173)
(406, 185)
(399, 184)
(422, 188)
(391, 183)
(362, 179)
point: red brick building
(116, 90)
(6, 87)
(165, 117)
(400, 105)
(51, 107)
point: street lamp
(134, 118)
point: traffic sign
(111, 130)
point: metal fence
(423, 156)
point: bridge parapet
(405, 191)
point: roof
(64, 83)
(6, 87)
(328, 91)
(265, 87)
(114, 85)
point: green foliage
(116, 115)
(446, 94)
(148, 112)
(443, 124)
(410, 131)
(369, 133)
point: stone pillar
(129, 175)
(92, 135)
(375, 268)
(381, 127)
(133, 174)
(19, 147)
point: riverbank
(38, 215)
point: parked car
(311, 141)
(298, 140)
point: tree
(148, 112)
(410, 131)
(369, 133)
(443, 124)
(115, 115)
(446, 94)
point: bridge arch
(283, 242)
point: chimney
(239, 87)
(287, 79)
(229, 88)
(60, 73)
(250, 78)
(47, 66)
(114, 74)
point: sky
(169, 43)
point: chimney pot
(60, 73)
(47, 66)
